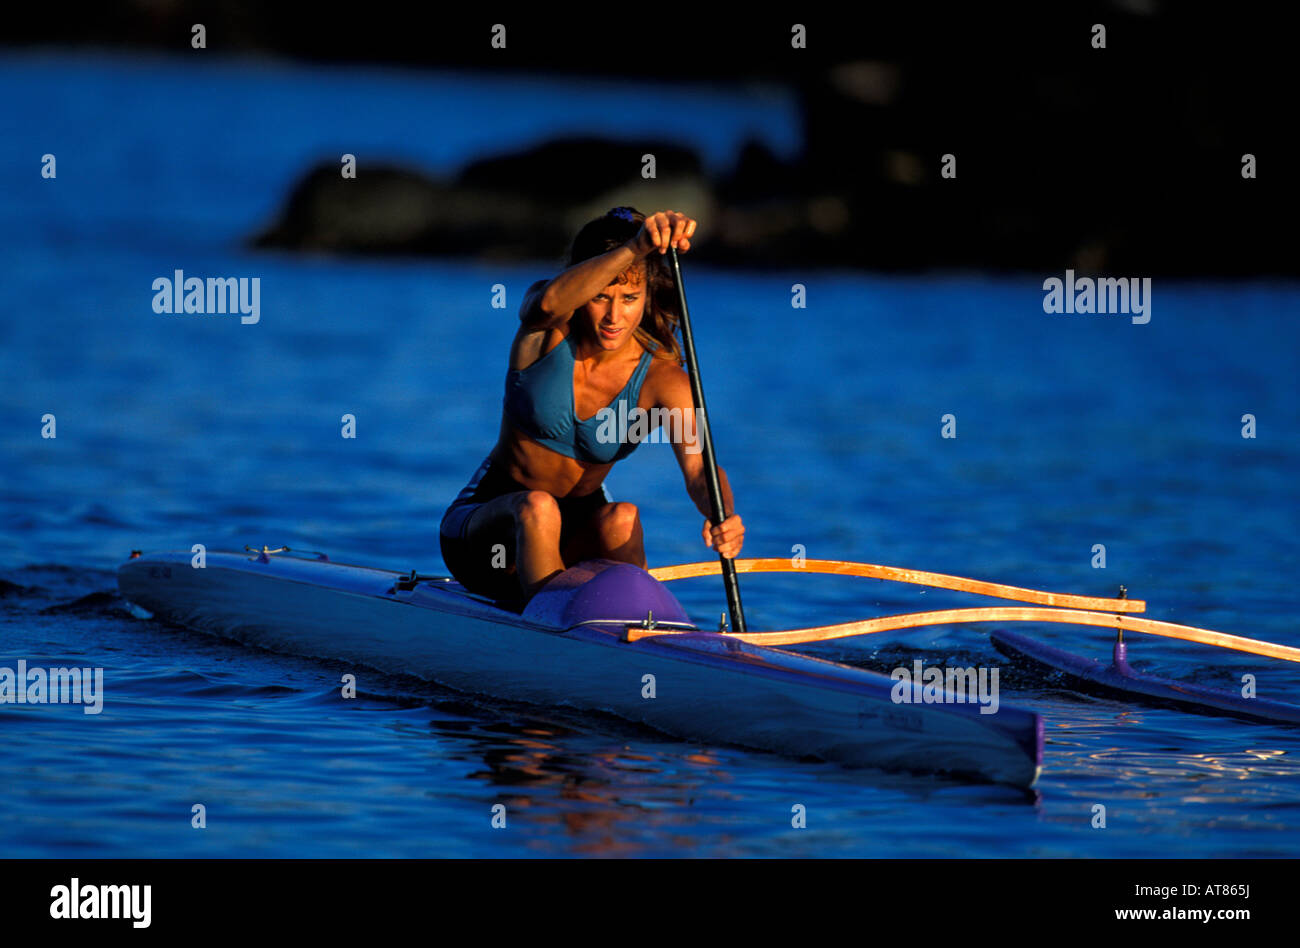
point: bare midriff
(539, 468)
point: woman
(598, 336)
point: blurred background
(816, 166)
(1110, 159)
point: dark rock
(522, 205)
(395, 210)
(572, 170)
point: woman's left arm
(679, 427)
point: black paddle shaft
(729, 579)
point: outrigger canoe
(608, 636)
(571, 647)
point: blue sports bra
(539, 401)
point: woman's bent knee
(537, 509)
(617, 520)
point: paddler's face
(616, 311)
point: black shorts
(471, 563)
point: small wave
(96, 603)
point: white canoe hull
(706, 687)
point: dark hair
(659, 323)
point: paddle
(729, 579)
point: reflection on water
(412, 769)
(1247, 765)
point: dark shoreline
(1124, 160)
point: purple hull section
(603, 590)
(1119, 679)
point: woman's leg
(532, 520)
(612, 531)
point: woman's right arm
(558, 299)
(579, 284)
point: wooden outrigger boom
(897, 574)
(1114, 616)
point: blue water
(175, 430)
